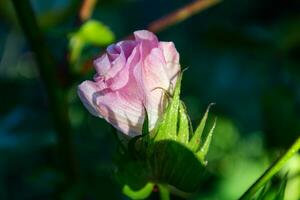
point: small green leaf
(91, 32)
(195, 141)
(95, 32)
(143, 193)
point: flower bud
(131, 77)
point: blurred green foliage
(242, 55)
(91, 32)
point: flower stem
(272, 170)
(164, 192)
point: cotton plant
(137, 90)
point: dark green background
(243, 55)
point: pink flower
(132, 76)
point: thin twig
(56, 96)
(87, 8)
(181, 14)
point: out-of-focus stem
(272, 170)
(86, 9)
(181, 14)
(56, 96)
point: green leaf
(195, 141)
(142, 193)
(91, 32)
(95, 32)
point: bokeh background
(243, 55)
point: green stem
(56, 96)
(272, 170)
(163, 192)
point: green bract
(172, 154)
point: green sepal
(145, 129)
(205, 147)
(168, 126)
(174, 164)
(195, 141)
(184, 125)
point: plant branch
(181, 14)
(272, 170)
(86, 9)
(56, 96)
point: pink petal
(116, 66)
(144, 35)
(172, 59)
(123, 108)
(123, 111)
(147, 41)
(86, 92)
(112, 52)
(170, 53)
(126, 47)
(102, 65)
(154, 82)
(125, 75)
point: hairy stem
(48, 74)
(272, 170)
